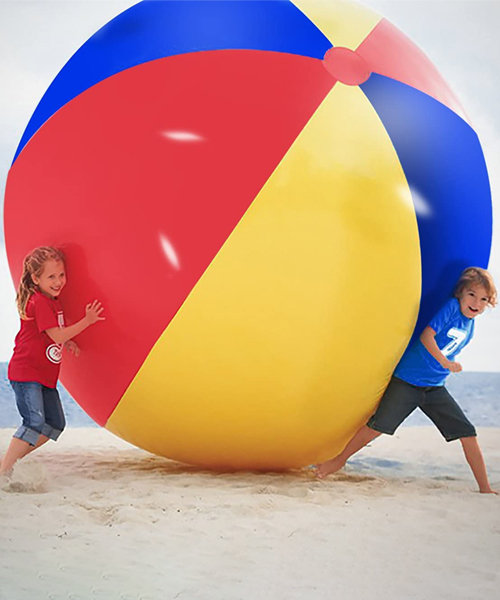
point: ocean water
(477, 393)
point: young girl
(34, 367)
(419, 378)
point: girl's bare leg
(18, 449)
(41, 441)
(475, 459)
(363, 437)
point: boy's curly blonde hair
(33, 264)
(474, 276)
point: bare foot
(330, 466)
(488, 491)
(5, 476)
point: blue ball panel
(151, 30)
(446, 172)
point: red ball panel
(389, 52)
(142, 178)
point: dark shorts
(41, 411)
(400, 399)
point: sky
(460, 36)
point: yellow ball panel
(344, 23)
(282, 349)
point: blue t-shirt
(453, 332)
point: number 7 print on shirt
(457, 336)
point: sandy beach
(93, 517)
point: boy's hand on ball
(93, 312)
(454, 367)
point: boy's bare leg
(18, 449)
(364, 436)
(475, 459)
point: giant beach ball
(271, 199)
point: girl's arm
(429, 343)
(92, 315)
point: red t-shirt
(36, 357)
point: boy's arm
(429, 343)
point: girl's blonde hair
(474, 276)
(33, 265)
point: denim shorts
(400, 399)
(41, 410)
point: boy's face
(473, 301)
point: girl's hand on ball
(72, 347)
(93, 312)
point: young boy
(418, 380)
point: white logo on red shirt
(54, 353)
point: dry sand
(93, 518)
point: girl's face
(473, 301)
(52, 280)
